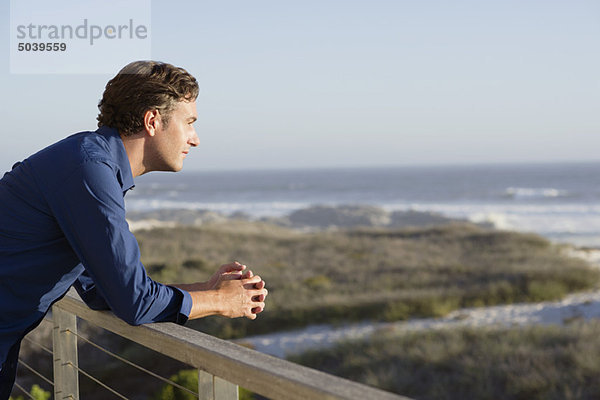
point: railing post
(206, 388)
(225, 390)
(212, 387)
(66, 376)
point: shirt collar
(117, 150)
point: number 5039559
(42, 46)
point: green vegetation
(188, 378)
(377, 274)
(521, 363)
(37, 393)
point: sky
(343, 83)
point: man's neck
(134, 146)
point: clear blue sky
(352, 83)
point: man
(62, 217)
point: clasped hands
(252, 295)
(231, 291)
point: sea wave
(574, 223)
(524, 193)
(555, 218)
(254, 209)
(564, 222)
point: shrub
(36, 393)
(533, 363)
(318, 282)
(366, 274)
(188, 378)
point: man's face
(173, 142)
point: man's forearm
(204, 302)
(231, 298)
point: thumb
(232, 267)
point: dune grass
(374, 274)
(540, 362)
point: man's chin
(170, 168)
(176, 168)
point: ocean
(558, 201)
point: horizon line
(382, 166)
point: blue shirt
(62, 222)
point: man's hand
(225, 272)
(229, 292)
(241, 297)
(260, 285)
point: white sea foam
(558, 201)
(254, 209)
(498, 220)
(529, 193)
(573, 222)
(564, 218)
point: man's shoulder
(80, 146)
(74, 150)
(60, 160)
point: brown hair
(141, 86)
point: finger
(230, 277)
(258, 299)
(259, 285)
(259, 295)
(251, 315)
(234, 266)
(258, 309)
(254, 279)
(248, 274)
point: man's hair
(141, 86)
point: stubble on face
(174, 139)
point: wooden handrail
(263, 374)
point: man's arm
(89, 293)
(208, 298)
(90, 210)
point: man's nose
(194, 140)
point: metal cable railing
(81, 371)
(31, 368)
(41, 346)
(97, 381)
(132, 364)
(23, 363)
(220, 365)
(24, 391)
(89, 375)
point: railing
(222, 366)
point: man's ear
(152, 121)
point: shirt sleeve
(90, 210)
(89, 293)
